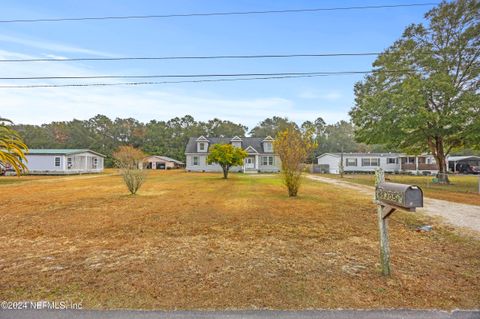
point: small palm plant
(12, 148)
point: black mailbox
(405, 196)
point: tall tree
(272, 126)
(424, 94)
(222, 128)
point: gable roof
(251, 150)
(166, 158)
(247, 142)
(59, 151)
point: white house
(261, 156)
(64, 161)
(368, 162)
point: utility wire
(157, 82)
(198, 57)
(209, 14)
(174, 82)
(154, 82)
(194, 75)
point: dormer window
(268, 147)
(202, 144)
(236, 141)
(268, 144)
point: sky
(246, 102)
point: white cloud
(50, 46)
(320, 95)
(43, 105)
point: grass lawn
(195, 241)
(462, 189)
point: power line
(154, 82)
(150, 76)
(306, 75)
(198, 57)
(208, 14)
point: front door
(249, 163)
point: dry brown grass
(197, 241)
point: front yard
(195, 241)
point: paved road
(260, 314)
(457, 214)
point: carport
(471, 160)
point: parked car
(467, 169)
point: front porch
(250, 164)
(417, 163)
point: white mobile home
(64, 161)
(368, 162)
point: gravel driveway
(456, 214)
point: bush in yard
(129, 160)
(226, 155)
(293, 146)
(133, 178)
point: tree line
(169, 138)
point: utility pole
(341, 163)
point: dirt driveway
(456, 214)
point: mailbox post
(390, 197)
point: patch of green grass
(10, 181)
(462, 188)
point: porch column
(256, 162)
(455, 166)
(416, 163)
(86, 162)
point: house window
(391, 160)
(267, 160)
(69, 162)
(57, 161)
(370, 162)
(237, 144)
(94, 162)
(195, 160)
(351, 162)
(202, 146)
(268, 147)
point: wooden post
(383, 227)
(384, 245)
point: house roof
(59, 151)
(166, 158)
(461, 158)
(247, 142)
